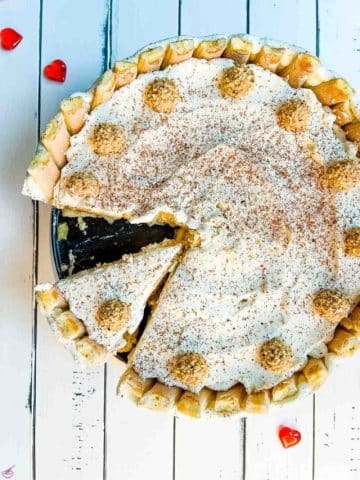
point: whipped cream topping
(131, 280)
(271, 235)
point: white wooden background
(59, 423)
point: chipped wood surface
(60, 422)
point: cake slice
(95, 311)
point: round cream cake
(262, 175)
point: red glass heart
(10, 38)
(56, 71)
(289, 437)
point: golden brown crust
(82, 185)
(238, 50)
(294, 116)
(69, 326)
(352, 131)
(90, 351)
(151, 59)
(331, 305)
(284, 390)
(103, 89)
(342, 176)
(236, 81)
(50, 299)
(211, 48)
(190, 369)
(178, 52)
(343, 113)
(343, 343)
(352, 242)
(161, 95)
(258, 402)
(125, 72)
(113, 315)
(193, 404)
(333, 91)
(275, 356)
(315, 373)
(269, 58)
(352, 322)
(132, 385)
(300, 68)
(231, 400)
(108, 139)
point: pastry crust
(160, 397)
(70, 327)
(194, 404)
(90, 351)
(179, 51)
(132, 385)
(258, 402)
(231, 400)
(315, 373)
(344, 343)
(284, 390)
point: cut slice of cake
(96, 311)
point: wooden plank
(139, 443)
(339, 39)
(337, 426)
(337, 438)
(293, 21)
(266, 458)
(206, 17)
(146, 446)
(136, 24)
(70, 402)
(18, 107)
(210, 449)
(298, 26)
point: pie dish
(249, 148)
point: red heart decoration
(56, 71)
(10, 38)
(289, 436)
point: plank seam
(108, 60)
(313, 438)
(317, 20)
(32, 392)
(247, 16)
(179, 16)
(243, 448)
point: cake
(249, 148)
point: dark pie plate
(92, 241)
